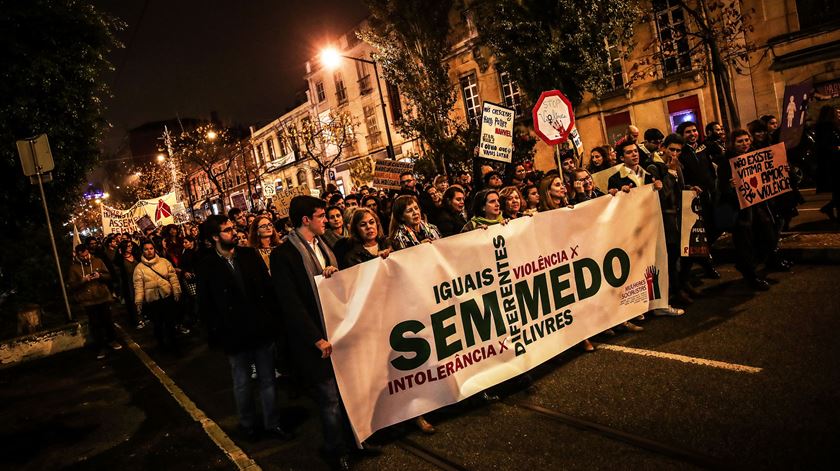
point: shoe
(668, 311)
(587, 346)
(609, 333)
(341, 463)
(182, 330)
(115, 345)
(140, 325)
(424, 425)
(632, 327)
(828, 211)
(370, 450)
(487, 397)
(758, 284)
(279, 434)
(640, 317)
(712, 274)
(253, 371)
(101, 355)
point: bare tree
(211, 150)
(325, 140)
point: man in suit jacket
(630, 174)
(238, 305)
(294, 266)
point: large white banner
(159, 211)
(437, 323)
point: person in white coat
(156, 292)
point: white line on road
(672, 356)
(219, 437)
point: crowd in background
(235, 275)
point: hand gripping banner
(434, 324)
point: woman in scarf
(407, 227)
(487, 210)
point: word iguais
(527, 310)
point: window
(340, 89)
(260, 157)
(394, 100)
(301, 177)
(673, 41)
(813, 13)
(319, 90)
(363, 74)
(269, 144)
(374, 137)
(616, 73)
(472, 102)
(510, 93)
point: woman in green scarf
(487, 210)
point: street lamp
(331, 58)
(161, 157)
(211, 135)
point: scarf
(476, 220)
(311, 264)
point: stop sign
(553, 117)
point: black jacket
(617, 181)
(449, 222)
(240, 314)
(697, 168)
(303, 322)
(357, 253)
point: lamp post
(330, 58)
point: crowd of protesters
(247, 279)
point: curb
(42, 344)
(812, 256)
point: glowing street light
(331, 59)
(211, 135)
(161, 157)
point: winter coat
(357, 253)
(155, 279)
(239, 308)
(89, 293)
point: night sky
(244, 60)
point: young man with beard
(238, 304)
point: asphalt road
(771, 402)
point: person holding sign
(752, 222)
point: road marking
(685, 359)
(219, 437)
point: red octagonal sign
(553, 117)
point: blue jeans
(240, 365)
(338, 437)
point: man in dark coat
(630, 174)
(294, 266)
(237, 302)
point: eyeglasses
(265, 226)
(227, 229)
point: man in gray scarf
(294, 266)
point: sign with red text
(760, 175)
(436, 323)
(496, 139)
(553, 117)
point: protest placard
(496, 138)
(693, 241)
(159, 212)
(386, 173)
(117, 220)
(760, 175)
(602, 179)
(437, 323)
(283, 198)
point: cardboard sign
(496, 141)
(760, 175)
(283, 198)
(602, 179)
(386, 173)
(693, 241)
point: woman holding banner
(407, 230)
(407, 227)
(450, 219)
(367, 239)
(487, 211)
(583, 186)
(512, 203)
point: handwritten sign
(760, 175)
(283, 198)
(553, 117)
(496, 141)
(386, 173)
(693, 240)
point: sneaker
(140, 325)
(253, 371)
(640, 317)
(182, 330)
(669, 311)
(101, 355)
(115, 345)
(632, 327)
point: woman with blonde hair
(512, 203)
(553, 193)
